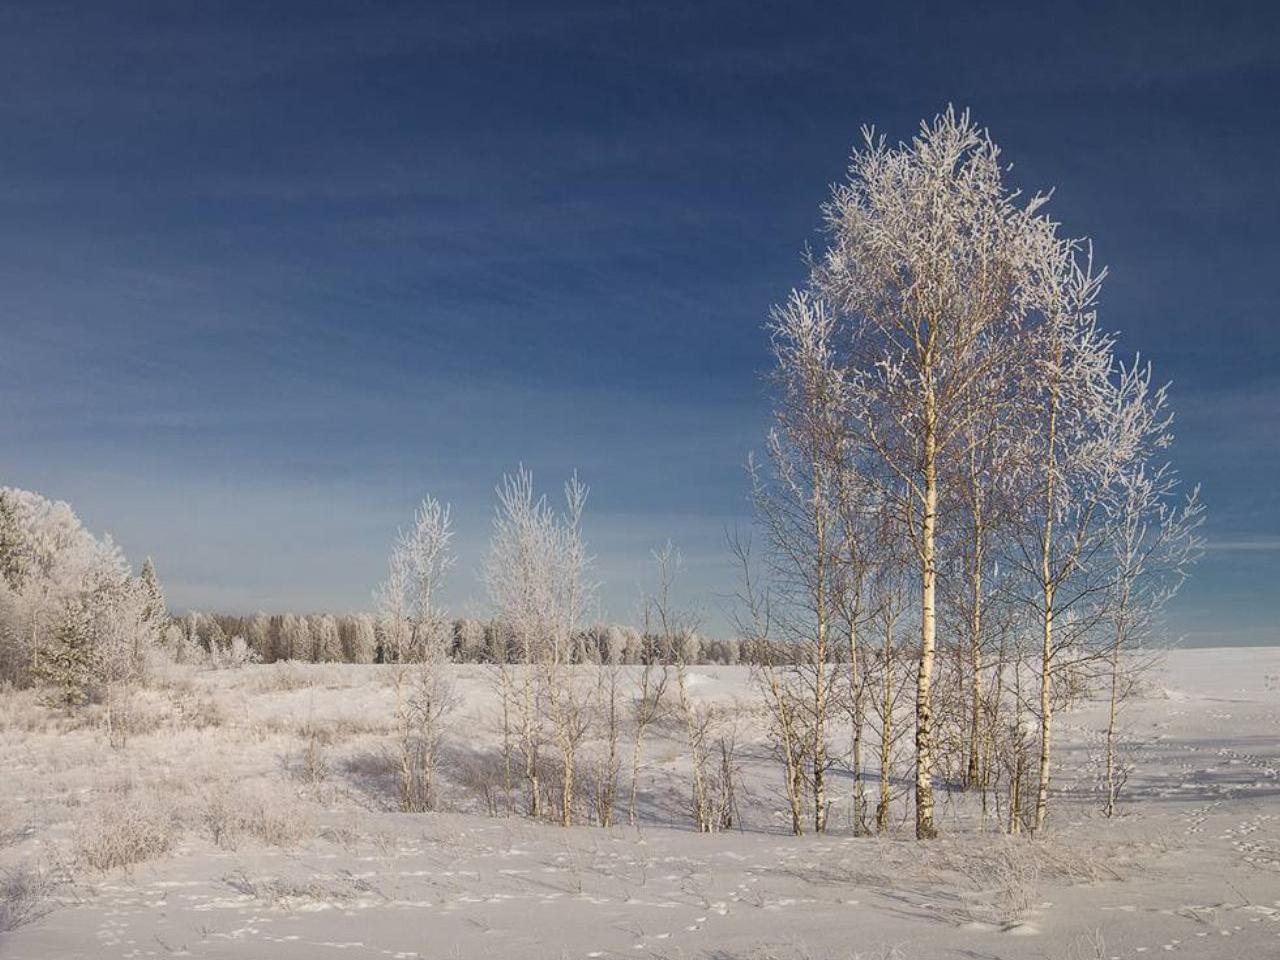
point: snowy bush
(230, 813)
(127, 829)
(232, 655)
(25, 893)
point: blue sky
(270, 272)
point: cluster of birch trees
(964, 482)
(571, 715)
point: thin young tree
(608, 766)
(674, 626)
(1153, 536)
(857, 560)
(1074, 438)
(753, 616)
(650, 699)
(978, 491)
(410, 603)
(889, 688)
(798, 507)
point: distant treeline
(360, 638)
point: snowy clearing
(263, 802)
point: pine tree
(66, 663)
(156, 610)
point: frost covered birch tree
(419, 630)
(537, 577)
(1152, 533)
(754, 618)
(945, 373)
(923, 264)
(798, 508)
(1071, 442)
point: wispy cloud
(1254, 545)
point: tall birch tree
(923, 262)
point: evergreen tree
(66, 663)
(156, 611)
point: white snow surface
(1191, 867)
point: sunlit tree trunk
(1049, 585)
(855, 698)
(1109, 808)
(886, 725)
(819, 746)
(925, 827)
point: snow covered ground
(262, 851)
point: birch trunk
(820, 661)
(1048, 582)
(1046, 715)
(886, 728)
(974, 772)
(925, 828)
(1019, 754)
(1112, 787)
(855, 694)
